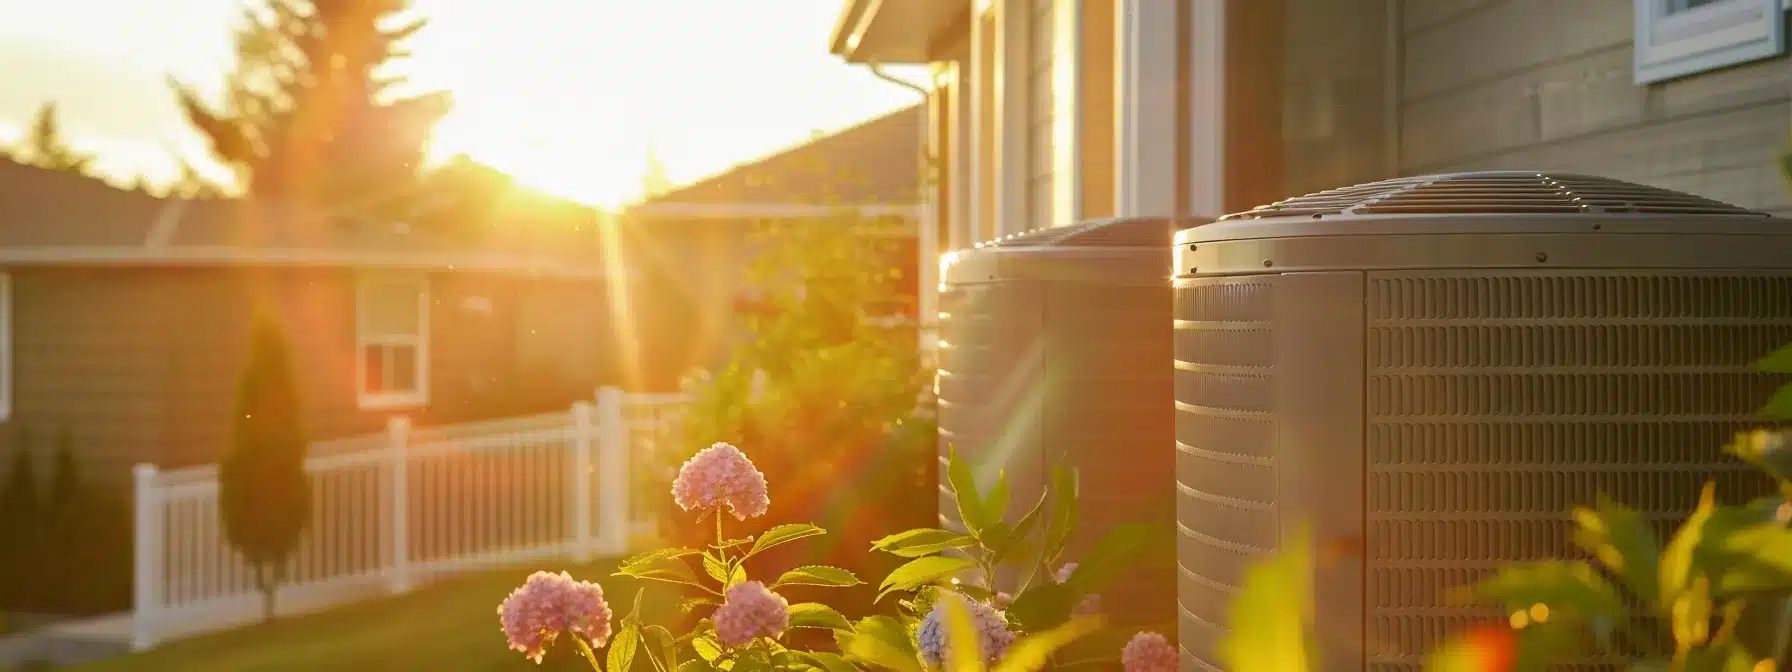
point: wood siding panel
(87, 357)
(1335, 123)
(1527, 84)
(143, 364)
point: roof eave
(900, 32)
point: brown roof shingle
(876, 162)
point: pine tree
(263, 490)
(45, 147)
(307, 114)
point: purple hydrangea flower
(751, 611)
(719, 476)
(993, 635)
(1149, 652)
(550, 604)
(1091, 605)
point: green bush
(264, 493)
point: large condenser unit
(1435, 369)
(1052, 353)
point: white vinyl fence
(393, 509)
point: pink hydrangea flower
(719, 476)
(1090, 605)
(550, 604)
(751, 611)
(1149, 652)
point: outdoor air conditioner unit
(1437, 368)
(1052, 353)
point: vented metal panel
(1444, 408)
(1496, 403)
(1494, 192)
(1225, 448)
(1053, 356)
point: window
(5, 346)
(392, 339)
(1675, 38)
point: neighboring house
(691, 245)
(1047, 112)
(125, 319)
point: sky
(567, 96)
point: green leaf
(1567, 588)
(1034, 652)
(1112, 555)
(707, 647)
(818, 575)
(692, 603)
(1779, 405)
(1778, 361)
(716, 568)
(964, 645)
(995, 535)
(1757, 559)
(1025, 526)
(815, 615)
(783, 534)
(1268, 613)
(1043, 606)
(1064, 494)
(1767, 449)
(696, 665)
(668, 568)
(652, 558)
(922, 571)
(622, 648)
(880, 640)
(1622, 542)
(1698, 547)
(660, 640)
(923, 541)
(964, 490)
(827, 661)
(995, 503)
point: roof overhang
(241, 256)
(895, 32)
(772, 210)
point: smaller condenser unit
(1435, 370)
(1052, 353)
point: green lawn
(445, 626)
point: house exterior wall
(142, 364)
(1534, 83)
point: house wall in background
(142, 364)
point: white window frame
(5, 346)
(1718, 35)
(419, 343)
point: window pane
(390, 309)
(404, 368)
(375, 367)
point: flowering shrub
(941, 620)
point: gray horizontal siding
(1546, 84)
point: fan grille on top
(1494, 192)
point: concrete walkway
(69, 642)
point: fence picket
(396, 508)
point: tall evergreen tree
(263, 491)
(45, 147)
(309, 112)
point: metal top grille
(1129, 232)
(1494, 192)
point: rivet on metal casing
(1194, 269)
(1192, 248)
(1267, 263)
(1542, 257)
(1597, 227)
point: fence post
(146, 581)
(583, 433)
(398, 429)
(612, 471)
